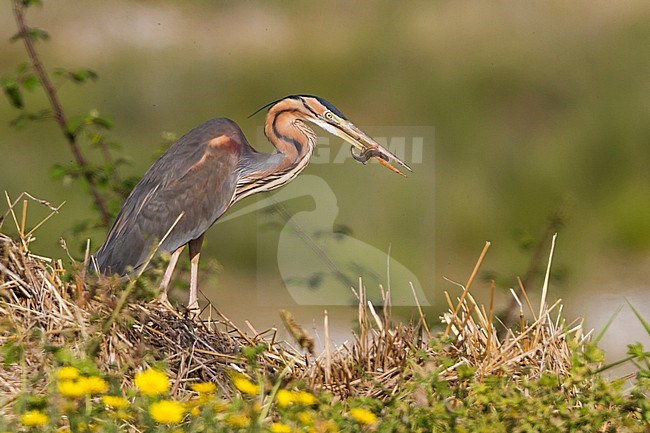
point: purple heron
(208, 170)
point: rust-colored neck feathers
(287, 131)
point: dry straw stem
(541, 346)
(40, 306)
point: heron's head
(325, 115)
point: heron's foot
(162, 297)
(193, 309)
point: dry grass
(544, 345)
(44, 305)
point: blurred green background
(537, 107)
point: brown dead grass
(43, 304)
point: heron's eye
(329, 115)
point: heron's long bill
(368, 147)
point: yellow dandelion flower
(304, 398)
(34, 418)
(245, 385)
(363, 416)
(70, 389)
(167, 411)
(114, 401)
(204, 387)
(304, 418)
(240, 420)
(277, 427)
(284, 398)
(67, 373)
(152, 382)
(93, 385)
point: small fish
(365, 156)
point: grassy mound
(86, 354)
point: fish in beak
(368, 148)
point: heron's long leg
(195, 254)
(164, 284)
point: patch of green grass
(581, 401)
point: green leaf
(28, 3)
(549, 380)
(24, 118)
(11, 352)
(93, 118)
(57, 172)
(30, 82)
(102, 122)
(20, 121)
(76, 124)
(465, 372)
(11, 89)
(38, 34)
(95, 138)
(22, 68)
(593, 354)
(607, 325)
(82, 75)
(635, 350)
(638, 315)
(32, 33)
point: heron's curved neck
(286, 130)
(294, 141)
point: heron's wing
(195, 178)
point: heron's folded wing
(196, 177)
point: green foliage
(33, 34)
(12, 91)
(11, 352)
(28, 3)
(94, 160)
(79, 76)
(23, 79)
(580, 401)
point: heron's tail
(106, 262)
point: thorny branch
(59, 114)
